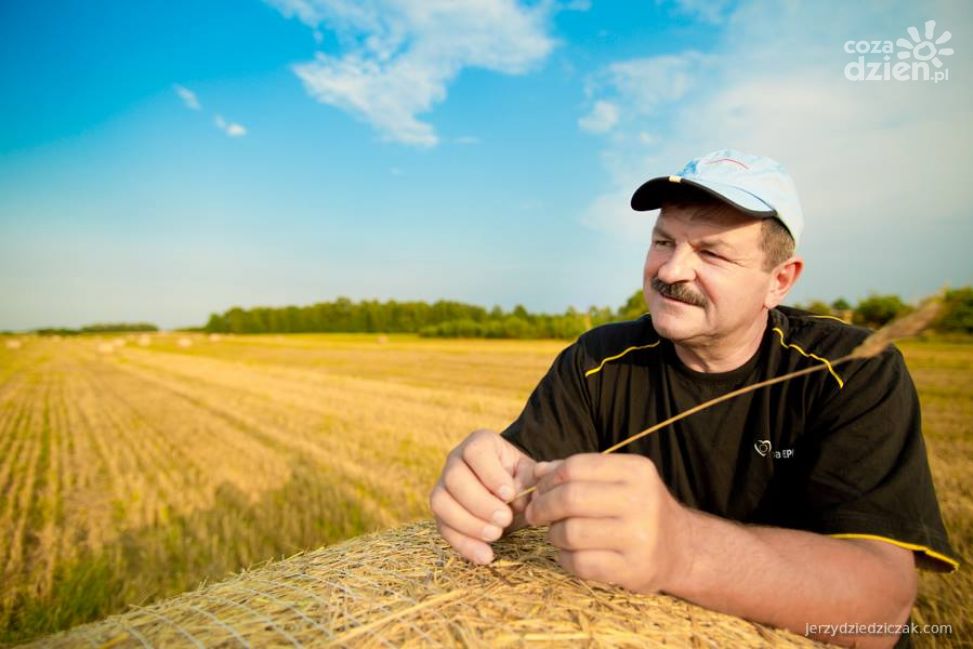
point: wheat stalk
(873, 345)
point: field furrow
(52, 537)
(151, 474)
(40, 549)
(22, 493)
(201, 449)
(341, 438)
(14, 441)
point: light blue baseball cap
(753, 184)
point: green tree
(877, 310)
(957, 311)
(634, 307)
(217, 324)
(118, 327)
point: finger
(593, 467)
(465, 487)
(523, 475)
(469, 548)
(597, 565)
(576, 534)
(541, 469)
(452, 514)
(483, 455)
(578, 499)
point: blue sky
(161, 161)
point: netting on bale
(407, 588)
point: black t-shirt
(837, 452)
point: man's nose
(679, 266)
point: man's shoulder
(615, 339)
(821, 335)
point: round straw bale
(407, 588)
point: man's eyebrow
(658, 229)
(715, 242)
(712, 242)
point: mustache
(680, 292)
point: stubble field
(133, 468)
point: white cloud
(188, 97)
(649, 82)
(627, 91)
(230, 128)
(602, 118)
(398, 56)
(643, 84)
(467, 139)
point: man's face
(704, 279)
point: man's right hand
(470, 499)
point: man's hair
(775, 240)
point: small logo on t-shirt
(765, 448)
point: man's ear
(782, 278)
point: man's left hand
(613, 520)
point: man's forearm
(792, 579)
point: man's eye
(711, 254)
(661, 243)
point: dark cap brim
(664, 189)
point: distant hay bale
(105, 348)
(382, 339)
(215, 338)
(13, 343)
(407, 588)
(144, 340)
(185, 342)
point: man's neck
(726, 354)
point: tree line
(879, 309)
(455, 319)
(443, 318)
(99, 328)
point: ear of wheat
(873, 345)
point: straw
(407, 588)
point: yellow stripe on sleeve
(787, 345)
(830, 317)
(929, 552)
(619, 355)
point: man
(806, 503)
